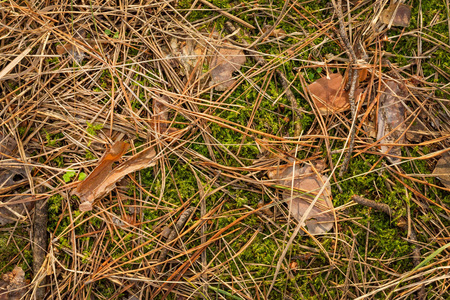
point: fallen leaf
(416, 132)
(227, 60)
(321, 218)
(184, 53)
(102, 180)
(9, 175)
(11, 178)
(442, 170)
(12, 285)
(101, 172)
(402, 15)
(329, 94)
(74, 52)
(275, 33)
(391, 117)
(161, 115)
(125, 221)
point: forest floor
(215, 149)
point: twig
(174, 233)
(354, 76)
(228, 15)
(40, 243)
(296, 117)
(416, 261)
(376, 205)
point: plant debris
(329, 95)
(442, 170)
(12, 285)
(102, 180)
(398, 14)
(228, 60)
(274, 33)
(391, 120)
(75, 53)
(184, 53)
(321, 218)
(12, 177)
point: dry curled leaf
(12, 285)
(321, 218)
(442, 170)
(102, 180)
(400, 14)
(228, 60)
(329, 94)
(391, 120)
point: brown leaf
(161, 115)
(275, 33)
(442, 170)
(321, 218)
(101, 172)
(224, 63)
(74, 52)
(416, 132)
(125, 221)
(184, 53)
(11, 178)
(102, 180)
(391, 117)
(402, 15)
(12, 285)
(9, 175)
(329, 94)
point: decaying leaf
(416, 132)
(187, 54)
(391, 119)
(402, 15)
(9, 175)
(321, 218)
(329, 94)
(161, 115)
(102, 180)
(275, 33)
(74, 52)
(12, 285)
(11, 213)
(224, 63)
(125, 221)
(442, 170)
(184, 53)
(11, 178)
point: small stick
(354, 76)
(174, 233)
(351, 97)
(376, 205)
(228, 15)
(296, 115)
(40, 243)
